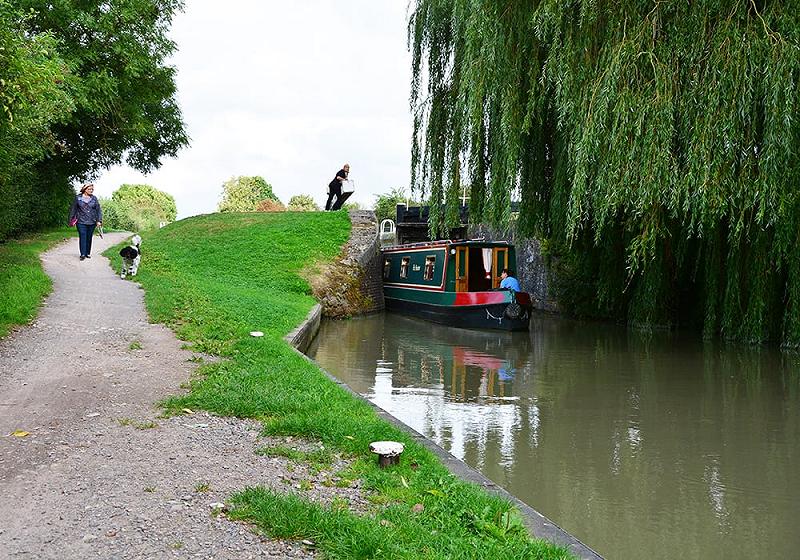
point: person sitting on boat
(508, 281)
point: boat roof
(443, 243)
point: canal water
(657, 446)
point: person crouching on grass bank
(86, 215)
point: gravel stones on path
(99, 473)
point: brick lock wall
(372, 283)
(532, 271)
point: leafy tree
(123, 90)
(243, 194)
(117, 215)
(160, 204)
(83, 85)
(386, 204)
(138, 208)
(33, 98)
(303, 203)
(652, 145)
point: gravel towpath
(100, 474)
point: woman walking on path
(86, 214)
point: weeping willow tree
(652, 145)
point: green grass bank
(23, 283)
(215, 278)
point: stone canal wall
(353, 283)
(365, 247)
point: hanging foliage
(653, 145)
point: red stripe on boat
(485, 298)
(479, 298)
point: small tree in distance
(244, 194)
(386, 204)
(138, 208)
(302, 203)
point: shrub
(269, 205)
(386, 204)
(138, 208)
(244, 194)
(303, 203)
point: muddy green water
(642, 447)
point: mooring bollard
(388, 452)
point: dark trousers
(337, 192)
(85, 232)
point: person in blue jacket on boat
(508, 281)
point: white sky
(289, 91)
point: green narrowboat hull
(501, 310)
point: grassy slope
(23, 283)
(216, 278)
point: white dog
(131, 256)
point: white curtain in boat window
(487, 262)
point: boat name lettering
(416, 267)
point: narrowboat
(455, 283)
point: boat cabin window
(387, 267)
(430, 262)
(404, 267)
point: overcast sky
(289, 91)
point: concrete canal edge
(538, 525)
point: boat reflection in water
(452, 385)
